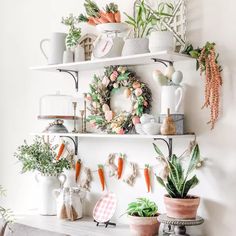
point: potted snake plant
(178, 182)
(142, 216)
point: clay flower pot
(143, 226)
(185, 208)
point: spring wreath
(101, 91)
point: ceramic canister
(172, 98)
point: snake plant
(178, 181)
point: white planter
(68, 56)
(161, 41)
(172, 98)
(135, 46)
(47, 202)
(79, 54)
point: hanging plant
(207, 63)
(101, 90)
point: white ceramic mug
(56, 48)
(172, 97)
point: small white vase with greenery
(41, 157)
(74, 51)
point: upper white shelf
(139, 59)
(124, 136)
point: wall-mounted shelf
(139, 59)
(117, 136)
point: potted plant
(160, 38)
(41, 157)
(140, 24)
(72, 40)
(142, 216)
(177, 183)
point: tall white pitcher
(172, 98)
(56, 48)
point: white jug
(66, 199)
(47, 204)
(172, 98)
(57, 47)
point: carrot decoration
(61, 149)
(77, 169)
(91, 21)
(147, 178)
(101, 176)
(120, 166)
(117, 17)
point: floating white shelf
(124, 136)
(139, 59)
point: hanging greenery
(101, 91)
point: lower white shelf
(117, 136)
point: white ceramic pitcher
(172, 98)
(56, 48)
(47, 204)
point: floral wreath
(101, 90)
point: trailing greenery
(5, 214)
(179, 182)
(40, 156)
(146, 19)
(74, 34)
(142, 207)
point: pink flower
(138, 91)
(121, 131)
(145, 103)
(108, 115)
(136, 120)
(114, 76)
(89, 98)
(93, 123)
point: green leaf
(188, 185)
(195, 54)
(160, 181)
(195, 159)
(158, 151)
(172, 187)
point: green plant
(74, 34)
(178, 182)
(142, 208)
(40, 156)
(146, 19)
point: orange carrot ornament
(77, 169)
(60, 151)
(117, 17)
(101, 176)
(147, 178)
(120, 166)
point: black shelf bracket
(75, 76)
(75, 141)
(169, 144)
(162, 61)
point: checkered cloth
(105, 208)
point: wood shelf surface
(139, 59)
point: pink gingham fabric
(105, 208)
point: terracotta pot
(182, 208)
(143, 226)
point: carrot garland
(120, 166)
(101, 176)
(77, 169)
(61, 149)
(147, 178)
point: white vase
(172, 98)
(79, 54)
(135, 46)
(47, 203)
(68, 56)
(161, 41)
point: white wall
(24, 23)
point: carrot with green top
(101, 176)
(120, 166)
(147, 178)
